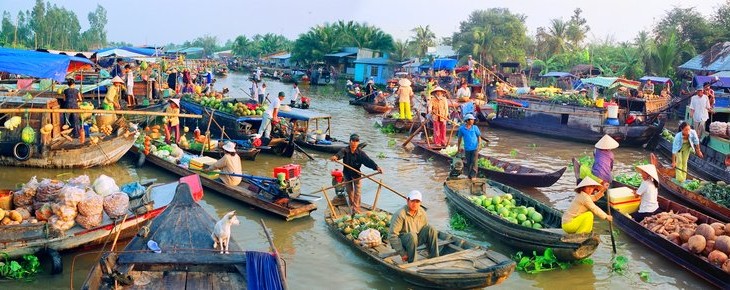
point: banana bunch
(94, 129)
(106, 129)
(46, 129)
(13, 122)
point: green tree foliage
(402, 50)
(492, 36)
(670, 53)
(95, 36)
(577, 29)
(327, 38)
(423, 38)
(689, 25)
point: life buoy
(53, 258)
(21, 151)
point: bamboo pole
(382, 184)
(346, 182)
(279, 267)
(207, 135)
(329, 203)
(117, 112)
(377, 194)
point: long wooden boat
(310, 121)
(327, 148)
(710, 168)
(513, 174)
(673, 252)
(244, 192)
(54, 151)
(187, 260)
(377, 109)
(359, 101)
(568, 122)
(141, 119)
(19, 240)
(461, 265)
(567, 247)
(245, 153)
(697, 200)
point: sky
(158, 22)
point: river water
(317, 260)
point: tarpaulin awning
(558, 74)
(305, 115)
(40, 64)
(340, 54)
(662, 80)
(118, 52)
(444, 63)
(611, 82)
(722, 82)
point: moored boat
(711, 167)
(185, 258)
(313, 130)
(695, 199)
(19, 240)
(291, 207)
(377, 109)
(461, 265)
(567, 247)
(248, 153)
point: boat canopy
(611, 82)
(717, 82)
(40, 64)
(661, 80)
(444, 63)
(558, 74)
(302, 115)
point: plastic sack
(105, 185)
(59, 224)
(133, 190)
(44, 213)
(92, 204)
(48, 190)
(116, 204)
(64, 213)
(370, 238)
(90, 221)
(71, 196)
(81, 181)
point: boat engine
(305, 103)
(288, 177)
(457, 167)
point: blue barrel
(612, 122)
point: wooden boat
(359, 101)
(711, 167)
(187, 261)
(54, 151)
(245, 153)
(308, 121)
(569, 122)
(673, 252)
(567, 247)
(141, 119)
(248, 193)
(19, 240)
(697, 200)
(513, 174)
(377, 109)
(461, 265)
(400, 125)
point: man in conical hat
(603, 159)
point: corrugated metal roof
(558, 74)
(340, 54)
(376, 60)
(283, 56)
(718, 52)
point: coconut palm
(547, 65)
(423, 39)
(401, 50)
(558, 36)
(242, 46)
(313, 45)
(645, 47)
(669, 53)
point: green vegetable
(541, 263)
(718, 192)
(620, 264)
(691, 185)
(486, 164)
(24, 268)
(632, 179)
(458, 222)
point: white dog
(222, 231)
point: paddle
(291, 139)
(610, 224)
(378, 182)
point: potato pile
(710, 241)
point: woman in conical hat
(578, 218)
(648, 190)
(113, 92)
(603, 156)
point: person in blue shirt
(470, 134)
(685, 142)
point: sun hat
(469, 117)
(586, 182)
(438, 89)
(229, 147)
(607, 143)
(354, 137)
(176, 101)
(649, 169)
(281, 94)
(117, 79)
(415, 195)
(371, 82)
(404, 82)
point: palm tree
(313, 45)
(423, 39)
(401, 50)
(547, 65)
(242, 46)
(645, 47)
(481, 44)
(669, 53)
(558, 35)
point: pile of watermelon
(506, 207)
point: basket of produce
(6, 199)
(105, 119)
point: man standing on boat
(129, 81)
(354, 157)
(409, 228)
(270, 115)
(439, 111)
(699, 109)
(472, 64)
(470, 134)
(229, 163)
(72, 98)
(295, 93)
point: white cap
(415, 195)
(229, 147)
(469, 117)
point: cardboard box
(624, 200)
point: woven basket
(6, 199)
(105, 119)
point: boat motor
(288, 178)
(457, 167)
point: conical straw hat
(586, 182)
(607, 143)
(649, 169)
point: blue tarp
(661, 80)
(299, 114)
(119, 51)
(557, 74)
(38, 64)
(444, 63)
(723, 82)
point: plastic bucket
(612, 111)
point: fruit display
(486, 164)
(450, 150)
(506, 207)
(666, 134)
(214, 101)
(709, 241)
(85, 106)
(351, 227)
(13, 123)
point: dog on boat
(222, 231)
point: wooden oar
(610, 223)
(207, 134)
(346, 182)
(383, 184)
